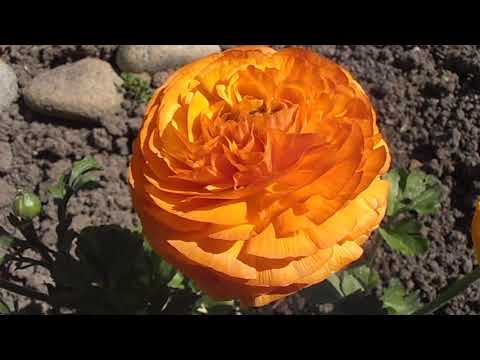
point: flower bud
(27, 205)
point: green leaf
(85, 181)
(415, 185)
(6, 240)
(138, 231)
(81, 167)
(397, 302)
(4, 309)
(322, 293)
(58, 190)
(407, 226)
(428, 202)
(110, 251)
(136, 88)
(146, 247)
(415, 191)
(177, 281)
(335, 281)
(350, 284)
(394, 192)
(423, 191)
(206, 305)
(404, 238)
(193, 287)
(368, 277)
(164, 270)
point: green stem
(452, 291)
(63, 242)
(28, 231)
(24, 291)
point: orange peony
(257, 172)
(476, 230)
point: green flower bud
(27, 205)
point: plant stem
(28, 231)
(62, 241)
(20, 258)
(452, 291)
(24, 291)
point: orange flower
(476, 230)
(257, 172)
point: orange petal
(268, 245)
(274, 272)
(221, 256)
(476, 230)
(236, 233)
(343, 255)
(358, 216)
(198, 104)
(222, 213)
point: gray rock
(8, 85)
(86, 90)
(154, 58)
(5, 157)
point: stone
(8, 85)
(86, 90)
(155, 58)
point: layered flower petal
(257, 172)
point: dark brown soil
(428, 102)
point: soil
(428, 104)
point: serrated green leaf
(394, 192)
(322, 293)
(397, 302)
(193, 287)
(335, 281)
(407, 226)
(368, 277)
(164, 271)
(428, 202)
(350, 284)
(407, 243)
(85, 181)
(111, 251)
(81, 167)
(416, 184)
(137, 88)
(58, 190)
(177, 281)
